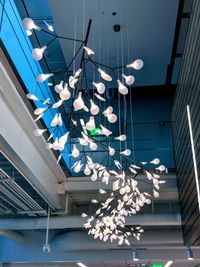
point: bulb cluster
(126, 199)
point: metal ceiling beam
(64, 222)
(79, 240)
(12, 235)
(84, 185)
(27, 153)
(121, 257)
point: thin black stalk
(61, 37)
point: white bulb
(100, 87)
(65, 93)
(78, 167)
(39, 132)
(94, 176)
(161, 168)
(126, 152)
(32, 97)
(90, 125)
(37, 53)
(59, 87)
(122, 191)
(129, 79)
(28, 24)
(54, 122)
(137, 64)
(94, 201)
(122, 137)
(125, 198)
(111, 151)
(61, 146)
(50, 27)
(105, 131)
(64, 138)
(60, 122)
(57, 104)
(88, 50)
(122, 88)
(93, 146)
(156, 194)
(104, 75)
(101, 191)
(42, 77)
(85, 108)
(77, 73)
(94, 108)
(155, 161)
(87, 170)
(83, 142)
(112, 118)
(39, 111)
(99, 97)
(83, 215)
(72, 81)
(55, 144)
(137, 208)
(108, 111)
(148, 201)
(128, 189)
(75, 152)
(29, 33)
(78, 103)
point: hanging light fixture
(126, 197)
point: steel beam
(17, 142)
(64, 222)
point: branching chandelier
(126, 197)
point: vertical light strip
(193, 155)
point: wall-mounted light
(168, 264)
(190, 254)
(135, 255)
(81, 264)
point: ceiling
(143, 33)
(17, 197)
